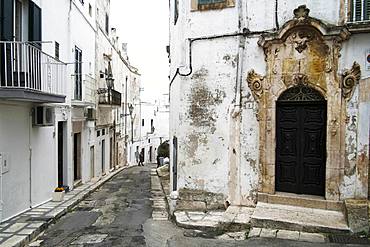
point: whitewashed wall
(204, 139)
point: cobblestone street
(128, 211)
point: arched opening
(301, 141)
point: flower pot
(58, 196)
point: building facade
(62, 98)
(154, 128)
(269, 97)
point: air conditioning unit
(90, 114)
(43, 116)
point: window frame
(78, 74)
(196, 6)
(357, 11)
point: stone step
(306, 201)
(278, 216)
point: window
(34, 22)
(90, 10)
(103, 132)
(358, 10)
(107, 23)
(176, 10)
(56, 50)
(152, 125)
(18, 21)
(211, 4)
(142, 122)
(78, 74)
(98, 133)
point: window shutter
(357, 10)
(34, 31)
(6, 20)
(367, 10)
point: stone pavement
(21, 229)
(113, 215)
(159, 206)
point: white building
(154, 129)
(238, 69)
(51, 55)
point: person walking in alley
(137, 157)
(141, 158)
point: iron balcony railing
(24, 66)
(109, 97)
(357, 11)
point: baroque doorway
(301, 141)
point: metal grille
(210, 1)
(348, 239)
(301, 92)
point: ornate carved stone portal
(304, 52)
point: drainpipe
(235, 120)
(276, 15)
(30, 155)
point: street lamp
(109, 79)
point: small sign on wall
(367, 64)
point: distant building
(154, 128)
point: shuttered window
(367, 10)
(359, 10)
(34, 31)
(6, 20)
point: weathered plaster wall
(202, 121)
(207, 95)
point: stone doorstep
(288, 235)
(306, 201)
(277, 216)
(234, 220)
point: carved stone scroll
(351, 77)
(255, 84)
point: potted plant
(58, 194)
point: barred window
(211, 4)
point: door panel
(300, 147)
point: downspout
(276, 15)
(235, 176)
(30, 154)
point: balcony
(358, 15)
(29, 74)
(109, 97)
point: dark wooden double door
(301, 147)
